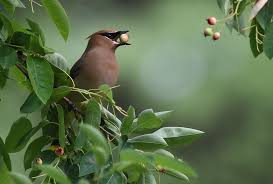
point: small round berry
(211, 20)
(216, 36)
(208, 32)
(162, 170)
(59, 151)
(39, 161)
(124, 38)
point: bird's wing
(75, 70)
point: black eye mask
(113, 36)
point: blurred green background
(217, 87)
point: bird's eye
(109, 35)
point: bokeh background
(217, 87)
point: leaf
(224, 5)
(18, 130)
(4, 154)
(256, 8)
(106, 90)
(176, 174)
(92, 114)
(172, 164)
(55, 173)
(147, 178)
(83, 181)
(35, 28)
(95, 137)
(61, 78)
(111, 117)
(115, 178)
(7, 25)
(147, 120)
(128, 121)
(41, 77)
(265, 14)
(58, 61)
(3, 77)
(61, 126)
(4, 173)
(164, 115)
(87, 164)
(21, 79)
(178, 135)
(148, 141)
(8, 57)
(59, 93)
(268, 41)
(255, 38)
(34, 149)
(19, 178)
(58, 15)
(100, 155)
(16, 3)
(31, 104)
(164, 152)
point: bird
(98, 65)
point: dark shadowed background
(217, 87)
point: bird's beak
(117, 37)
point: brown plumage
(98, 64)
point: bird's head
(107, 38)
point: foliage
(83, 143)
(252, 17)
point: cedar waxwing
(98, 64)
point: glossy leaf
(115, 178)
(106, 90)
(164, 152)
(31, 104)
(58, 61)
(20, 178)
(147, 120)
(61, 125)
(127, 122)
(59, 93)
(95, 137)
(148, 141)
(3, 77)
(4, 173)
(164, 115)
(268, 40)
(147, 178)
(178, 135)
(54, 173)
(92, 113)
(18, 131)
(8, 57)
(41, 77)
(255, 38)
(4, 154)
(34, 149)
(87, 164)
(58, 15)
(35, 28)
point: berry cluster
(209, 31)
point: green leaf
(164, 115)
(171, 164)
(92, 114)
(8, 57)
(58, 15)
(265, 14)
(34, 149)
(83, 181)
(3, 77)
(178, 135)
(35, 28)
(7, 25)
(100, 155)
(148, 141)
(61, 78)
(147, 178)
(111, 117)
(87, 164)
(41, 77)
(61, 125)
(8, 6)
(4, 173)
(21, 79)
(58, 61)
(164, 152)
(176, 174)
(224, 5)
(256, 38)
(31, 104)
(19, 178)
(268, 41)
(106, 90)
(16, 3)
(4, 154)
(19, 129)
(147, 120)
(95, 137)
(115, 178)
(59, 93)
(55, 173)
(126, 126)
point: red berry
(211, 20)
(216, 36)
(162, 170)
(59, 151)
(208, 32)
